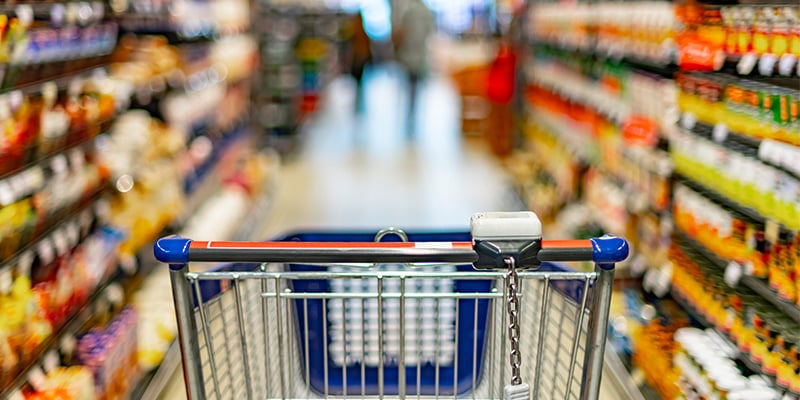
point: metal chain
(512, 305)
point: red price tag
(640, 131)
(695, 55)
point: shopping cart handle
(175, 250)
(603, 250)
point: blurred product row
(121, 123)
(676, 126)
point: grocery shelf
(685, 240)
(611, 108)
(706, 132)
(663, 69)
(731, 64)
(761, 287)
(697, 316)
(152, 384)
(62, 224)
(161, 25)
(587, 151)
(742, 357)
(59, 218)
(176, 33)
(99, 128)
(667, 68)
(62, 81)
(712, 195)
(24, 257)
(177, 81)
(733, 142)
(788, 82)
(757, 285)
(208, 180)
(46, 9)
(79, 320)
(583, 146)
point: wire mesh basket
(312, 329)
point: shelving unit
(53, 195)
(757, 285)
(153, 383)
(762, 288)
(743, 358)
(593, 68)
(80, 320)
(97, 96)
(300, 52)
(574, 111)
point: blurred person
(360, 56)
(410, 35)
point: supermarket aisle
(366, 171)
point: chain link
(512, 305)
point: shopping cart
(481, 315)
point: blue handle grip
(608, 250)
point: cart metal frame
(245, 345)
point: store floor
(369, 171)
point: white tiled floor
(365, 171)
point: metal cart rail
(434, 315)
